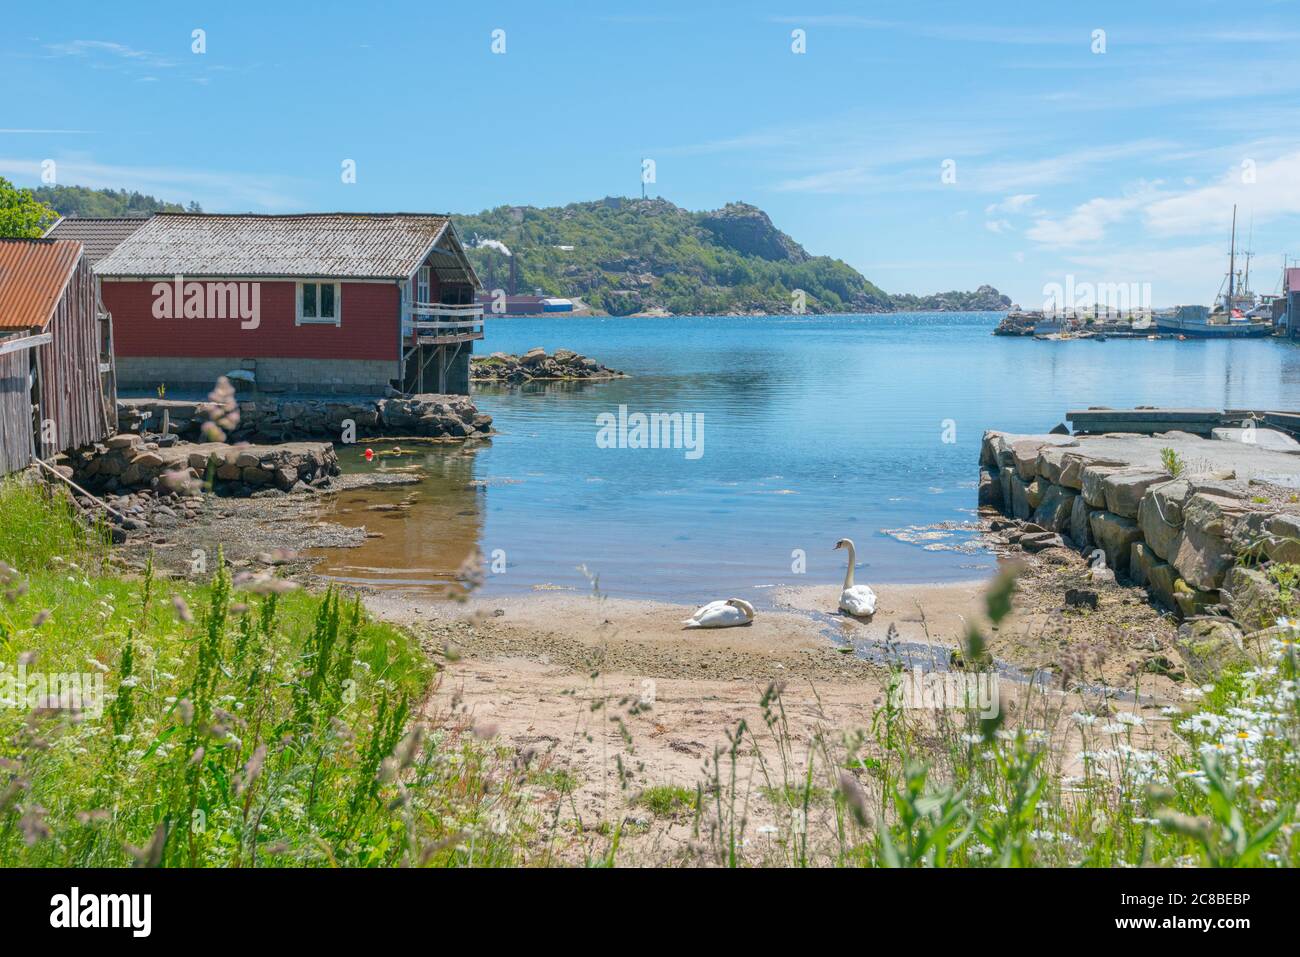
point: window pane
(309, 300)
(327, 300)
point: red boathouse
(314, 303)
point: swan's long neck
(853, 559)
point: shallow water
(814, 429)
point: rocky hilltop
(650, 256)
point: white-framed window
(320, 303)
(422, 287)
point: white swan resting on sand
(721, 614)
(856, 600)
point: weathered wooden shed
(56, 366)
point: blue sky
(1115, 166)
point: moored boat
(1233, 316)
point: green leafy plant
(1173, 462)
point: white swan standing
(856, 600)
(721, 614)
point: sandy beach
(616, 697)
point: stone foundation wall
(281, 419)
(128, 462)
(333, 376)
(1201, 544)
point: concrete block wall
(330, 376)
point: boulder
(1162, 580)
(1081, 598)
(1041, 541)
(1124, 489)
(1200, 558)
(1208, 646)
(1114, 534)
(1051, 460)
(1161, 537)
(1074, 462)
(1283, 544)
(1034, 492)
(1253, 600)
(1214, 513)
(988, 455)
(1004, 479)
(990, 489)
(1055, 509)
(1204, 553)
(1019, 498)
(1090, 484)
(1140, 560)
(148, 460)
(1025, 455)
(1080, 532)
(1193, 602)
(1251, 537)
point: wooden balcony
(438, 324)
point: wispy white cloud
(214, 190)
(1085, 224)
(1270, 189)
(92, 49)
(1018, 203)
(1070, 165)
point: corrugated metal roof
(33, 273)
(326, 245)
(99, 236)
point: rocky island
(535, 364)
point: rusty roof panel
(33, 273)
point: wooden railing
(436, 324)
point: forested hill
(632, 255)
(625, 256)
(105, 203)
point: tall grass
(246, 723)
(248, 726)
(1097, 786)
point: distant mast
(1232, 259)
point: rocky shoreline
(535, 365)
(1206, 542)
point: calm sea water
(815, 429)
